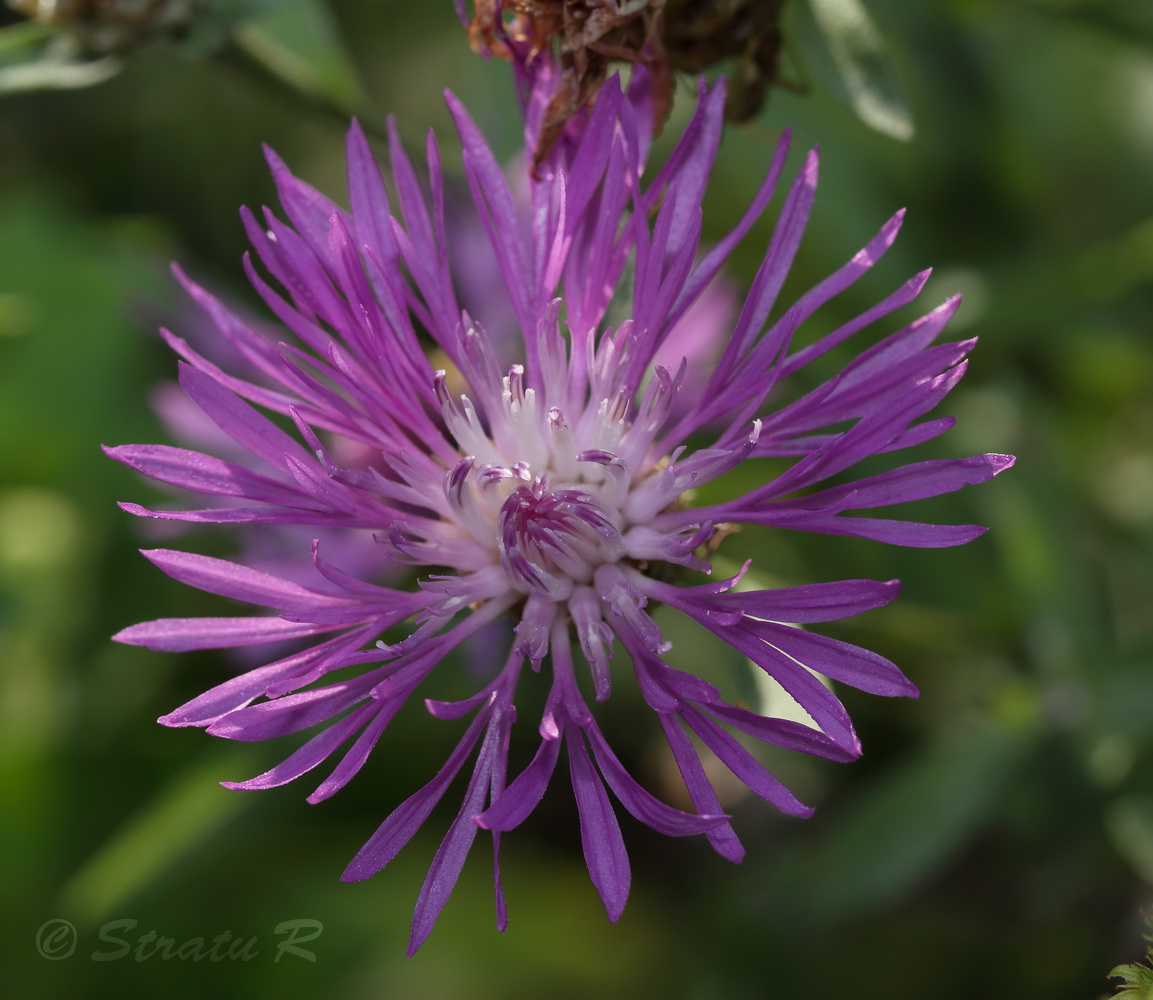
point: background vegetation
(996, 839)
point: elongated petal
(511, 391)
(841, 661)
(649, 810)
(744, 765)
(814, 602)
(191, 470)
(177, 635)
(723, 837)
(407, 818)
(218, 576)
(519, 799)
(290, 713)
(314, 752)
(450, 856)
(604, 847)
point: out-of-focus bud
(107, 26)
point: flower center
(543, 495)
(551, 540)
(558, 485)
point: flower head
(548, 485)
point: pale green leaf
(188, 811)
(846, 49)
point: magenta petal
(407, 818)
(910, 533)
(234, 693)
(842, 661)
(450, 856)
(640, 803)
(314, 752)
(722, 837)
(515, 804)
(511, 390)
(358, 753)
(820, 703)
(916, 482)
(242, 583)
(290, 713)
(175, 635)
(604, 847)
(814, 602)
(786, 734)
(191, 470)
(744, 765)
(259, 434)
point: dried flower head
(583, 38)
(586, 37)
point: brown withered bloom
(585, 37)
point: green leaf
(1137, 977)
(52, 74)
(846, 51)
(298, 43)
(1131, 20)
(908, 824)
(187, 812)
(26, 35)
(213, 26)
(1129, 821)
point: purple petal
(234, 693)
(291, 713)
(814, 602)
(177, 635)
(516, 803)
(191, 470)
(314, 752)
(450, 856)
(916, 482)
(358, 753)
(842, 661)
(744, 765)
(816, 699)
(910, 533)
(640, 803)
(785, 733)
(407, 818)
(257, 433)
(242, 583)
(723, 837)
(604, 848)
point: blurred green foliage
(996, 839)
(1137, 977)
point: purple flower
(551, 489)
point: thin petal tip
(129, 636)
